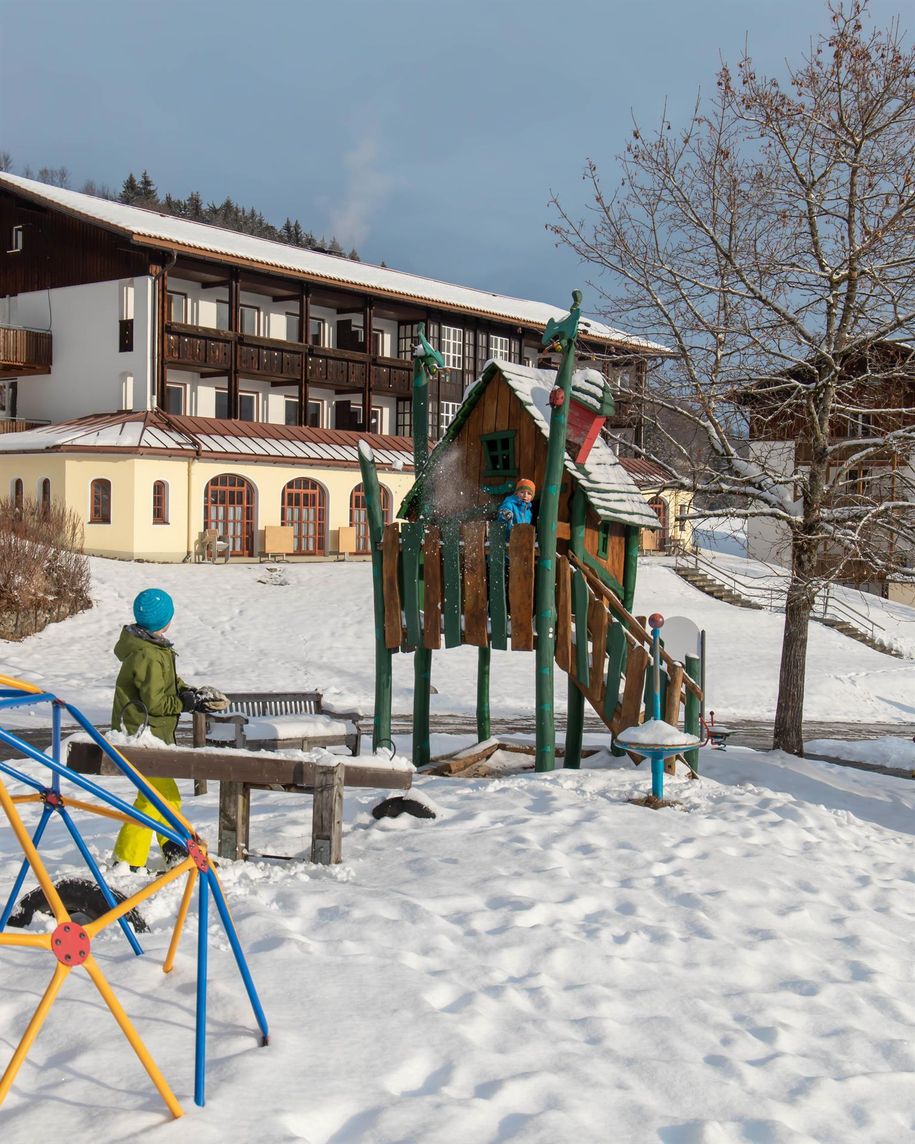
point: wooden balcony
(209, 353)
(18, 425)
(24, 352)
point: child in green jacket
(149, 692)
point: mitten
(209, 699)
(188, 697)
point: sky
(427, 133)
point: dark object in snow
(83, 900)
(397, 805)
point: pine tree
(147, 189)
(130, 191)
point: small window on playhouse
(499, 454)
(603, 540)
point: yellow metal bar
(117, 1011)
(17, 798)
(20, 685)
(95, 927)
(179, 921)
(27, 940)
(34, 1026)
(94, 808)
(38, 868)
(140, 775)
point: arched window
(359, 517)
(100, 501)
(660, 507)
(228, 506)
(44, 495)
(305, 508)
(160, 502)
(17, 494)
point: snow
(656, 733)
(887, 751)
(283, 727)
(543, 962)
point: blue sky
(429, 133)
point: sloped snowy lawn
(544, 963)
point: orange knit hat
(524, 483)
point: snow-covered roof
(149, 227)
(605, 483)
(208, 437)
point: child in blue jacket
(516, 508)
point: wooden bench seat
(249, 707)
(240, 772)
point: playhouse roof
(159, 231)
(608, 489)
(208, 438)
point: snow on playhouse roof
(208, 438)
(151, 228)
(606, 485)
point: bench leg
(234, 816)
(327, 816)
(199, 723)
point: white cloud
(366, 187)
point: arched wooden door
(359, 517)
(228, 506)
(658, 541)
(305, 509)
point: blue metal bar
(200, 1047)
(232, 935)
(183, 834)
(55, 742)
(21, 777)
(24, 869)
(657, 776)
(100, 793)
(26, 698)
(99, 878)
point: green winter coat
(148, 676)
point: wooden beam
(233, 352)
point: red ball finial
(656, 620)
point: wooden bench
(246, 707)
(240, 772)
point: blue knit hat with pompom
(153, 609)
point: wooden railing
(24, 351)
(18, 425)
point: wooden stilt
(327, 815)
(381, 723)
(575, 725)
(691, 718)
(484, 723)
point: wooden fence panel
(580, 598)
(599, 620)
(390, 556)
(498, 612)
(411, 541)
(475, 597)
(521, 586)
(634, 686)
(563, 614)
(674, 696)
(451, 567)
(432, 597)
(616, 664)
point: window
(500, 347)
(15, 240)
(448, 412)
(247, 405)
(681, 518)
(378, 342)
(860, 425)
(404, 426)
(292, 327)
(407, 338)
(222, 315)
(603, 540)
(17, 494)
(100, 501)
(317, 332)
(228, 507)
(304, 507)
(292, 411)
(375, 421)
(177, 306)
(660, 508)
(160, 502)
(315, 414)
(359, 517)
(499, 454)
(347, 415)
(44, 496)
(857, 481)
(452, 347)
(249, 320)
(174, 399)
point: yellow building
(672, 505)
(154, 486)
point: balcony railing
(19, 425)
(209, 352)
(24, 351)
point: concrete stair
(720, 591)
(846, 629)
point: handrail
(826, 606)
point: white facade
(768, 539)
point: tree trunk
(789, 709)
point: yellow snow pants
(134, 840)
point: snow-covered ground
(544, 963)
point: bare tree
(6, 161)
(771, 242)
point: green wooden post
(562, 333)
(575, 705)
(693, 667)
(630, 565)
(484, 723)
(381, 721)
(426, 361)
